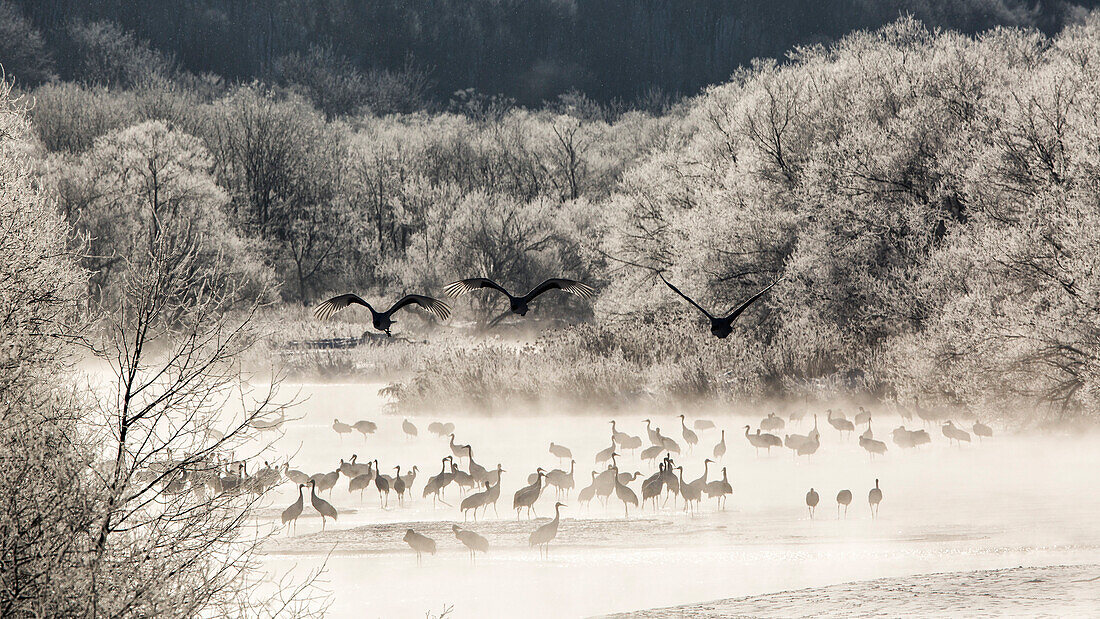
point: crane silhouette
(291, 513)
(812, 499)
(419, 543)
(526, 496)
(547, 532)
(874, 497)
(844, 497)
(382, 321)
(560, 452)
(471, 540)
(720, 489)
(721, 326)
(322, 506)
(626, 495)
(399, 486)
(690, 437)
(519, 305)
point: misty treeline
(399, 56)
(928, 197)
(125, 492)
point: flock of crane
(720, 326)
(480, 487)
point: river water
(1016, 499)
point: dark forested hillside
(529, 50)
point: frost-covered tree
(146, 185)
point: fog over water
(1020, 498)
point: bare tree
(128, 496)
(171, 425)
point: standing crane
(365, 427)
(690, 437)
(399, 486)
(812, 500)
(471, 540)
(561, 452)
(382, 484)
(841, 423)
(654, 435)
(494, 491)
(477, 471)
(626, 495)
(874, 497)
(419, 543)
(588, 492)
(291, 513)
(844, 497)
(322, 506)
(720, 489)
(547, 532)
(526, 496)
(341, 428)
(691, 494)
(772, 423)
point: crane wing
(677, 291)
(325, 310)
(463, 286)
(571, 286)
(740, 308)
(434, 307)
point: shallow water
(1016, 499)
(1051, 591)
